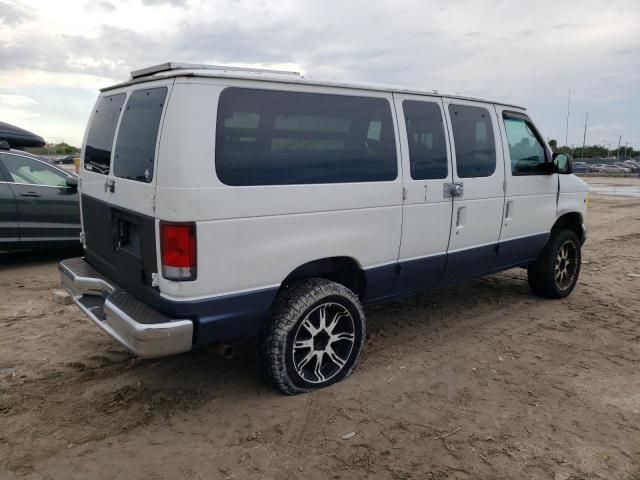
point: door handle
(30, 194)
(109, 185)
(508, 211)
(460, 214)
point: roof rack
(169, 66)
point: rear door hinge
(404, 193)
(504, 186)
(154, 279)
(153, 203)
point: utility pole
(566, 134)
(618, 153)
(584, 137)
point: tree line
(55, 149)
(591, 151)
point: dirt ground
(483, 381)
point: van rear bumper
(141, 329)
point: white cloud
(7, 100)
(509, 50)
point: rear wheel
(555, 272)
(313, 337)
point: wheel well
(571, 221)
(342, 270)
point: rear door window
(474, 141)
(97, 152)
(138, 135)
(267, 137)
(426, 137)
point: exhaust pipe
(223, 350)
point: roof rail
(169, 66)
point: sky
(56, 55)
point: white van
(219, 202)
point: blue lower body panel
(519, 250)
(224, 318)
(231, 316)
(470, 263)
(410, 276)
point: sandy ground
(483, 380)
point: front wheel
(555, 272)
(313, 337)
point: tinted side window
(525, 148)
(138, 134)
(473, 138)
(26, 170)
(267, 137)
(426, 137)
(97, 152)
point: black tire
(296, 311)
(543, 277)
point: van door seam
(401, 158)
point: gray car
(38, 203)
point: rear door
(119, 168)
(477, 188)
(46, 207)
(426, 222)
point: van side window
(426, 137)
(525, 147)
(474, 142)
(267, 137)
(97, 152)
(138, 135)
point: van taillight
(178, 247)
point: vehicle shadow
(411, 319)
(36, 257)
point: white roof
(174, 69)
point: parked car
(293, 202)
(64, 160)
(631, 165)
(615, 169)
(597, 168)
(39, 205)
(580, 167)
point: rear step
(141, 329)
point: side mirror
(72, 183)
(562, 163)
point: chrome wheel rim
(566, 265)
(323, 342)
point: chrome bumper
(141, 329)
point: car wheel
(313, 337)
(555, 272)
